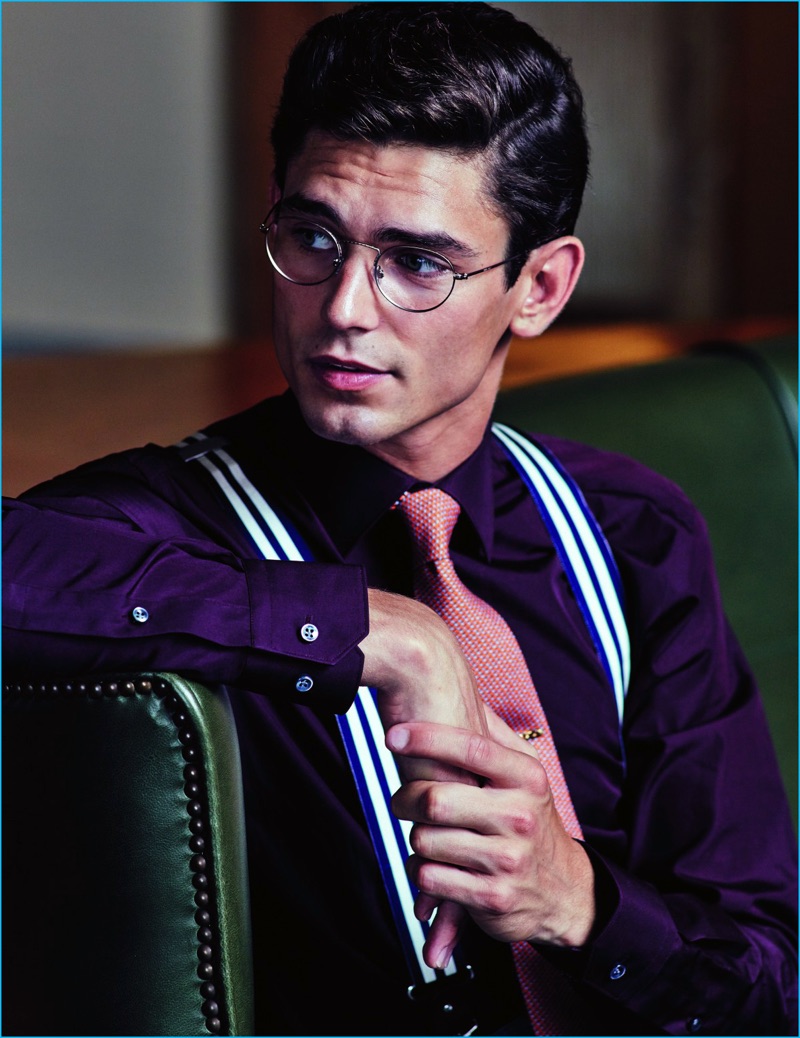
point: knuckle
(536, 777)
(425, 877)
(419, 841)
(522, 822)
(509, 860)
(476, 751)
(433, 804)
(498, 898)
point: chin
(355, 426)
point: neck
(434, 448)
(433, 455)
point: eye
(310, 237)
(417, 263)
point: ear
(545, 284)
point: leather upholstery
(722, 423)
(103, 874)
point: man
(430, 162)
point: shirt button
(304, 683)
(618, 972)
(694, 1025)
(140, 615)
(309, 633)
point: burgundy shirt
(684, 816)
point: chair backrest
(126, 906)
(722, 423)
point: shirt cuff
(632, 952)
(307, 621)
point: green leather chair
(722, 423)
(126, 906)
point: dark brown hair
(465, 77)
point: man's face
(414, 388)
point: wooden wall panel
(260, 39)
(761, 182)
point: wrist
(577, 906)
(415, 662)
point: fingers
(506, 764)
(425, 906)
(443, 935)
(444, 884)
(455, 805)
(500, 852)
(499, 848)
(411, 768)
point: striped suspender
(592, 572)
(583, 551)
(373, 766)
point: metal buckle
(447, 1003)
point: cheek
(463, 351)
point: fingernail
(397, 738)
(443, 959)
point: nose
(352, 300)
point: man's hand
(499, 849)
(413, 659)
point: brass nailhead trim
(200, 866)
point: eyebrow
(439, 241)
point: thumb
(443, 934)
(506, 736)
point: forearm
(87, 594)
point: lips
(348, 375)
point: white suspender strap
(373, 766)
(591, 569)
(583, 551)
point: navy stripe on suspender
(390, 879)
(616, 630)
(570, 569)
(275, 539)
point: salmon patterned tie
(506, 686)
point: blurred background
(136, 292)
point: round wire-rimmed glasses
(410, 278)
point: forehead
(375, 184)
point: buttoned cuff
(307, 621)
(633, 951)
(633, 943)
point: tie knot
(431, 515)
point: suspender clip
(446, 1003)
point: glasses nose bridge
(377, 273)
(363, 244)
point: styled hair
(464, 77)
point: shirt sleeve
(89, 590)
(697, 914)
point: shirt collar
(350, 489)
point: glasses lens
(415, 279)
(302, 251)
